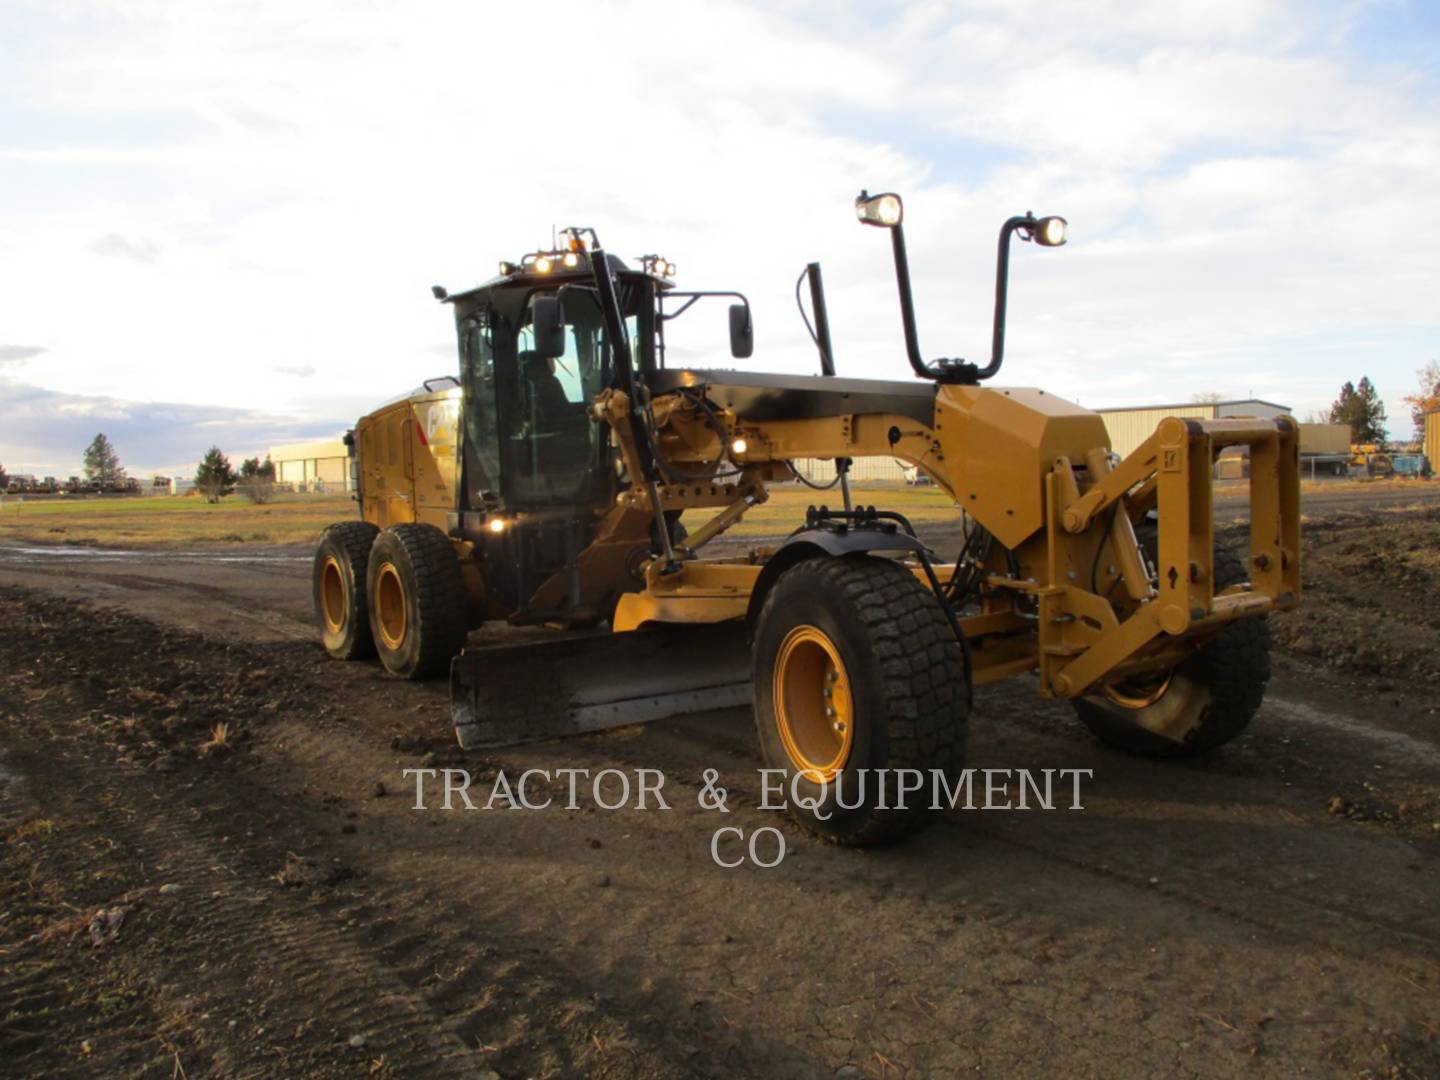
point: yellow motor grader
(545, 485)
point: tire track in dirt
(301, 950)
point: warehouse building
(1129, 427)
(313, 466)
(1431, 445)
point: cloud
(46, 432)
(117, 246)
(1241, 178)
(14, 354)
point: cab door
(387, 465)
(552, 446)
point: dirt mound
(1370, 585)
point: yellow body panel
(998, 446)
(407, 458)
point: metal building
(1129, 427)
(318, 466)
(1431, 447)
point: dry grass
(189, 521)
(170, 521)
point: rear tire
(417, 601)
(1209, 698)
(868, 632)
(339, 589)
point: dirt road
(273, 904)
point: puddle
(97, 554)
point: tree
(257, 479)
(214, 478)
(102, 464)
(1427, 398)
(1207, 397)
(1361, 408)
(4, 479)
(265, 470)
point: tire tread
(920, 661)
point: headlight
(885, 210)
(496, 525)
(1050, 231)
(542, 265)
(571, 260)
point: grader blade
(509, 694)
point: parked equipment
(1371, 459)
(545, 486)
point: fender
(820, 542)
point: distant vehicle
(1372, 459)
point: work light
(885, 210)
(1050, 231)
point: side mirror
(549, 320)
(742, 332)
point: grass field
(187, 521)
(166, 521)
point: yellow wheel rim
(332, 594)
(1138, 692)
(390, 606)
(814, 708)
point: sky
(219, 221)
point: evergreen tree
(102, 464)
(257, 479)
(214, 478)
(254, 468)
(1361, 408)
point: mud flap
(509, 694)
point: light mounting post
(886, 211)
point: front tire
(339, 589)
(856, 671)
(417, 601)
(1204, 702)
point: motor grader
(544, 486)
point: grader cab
(546, 484)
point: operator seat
(543, 391)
